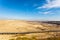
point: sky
(30, 9)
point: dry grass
(25, 26)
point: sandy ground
(17, 26)
(5, 37)
(20, 26)
(14, 26)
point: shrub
(11, 39)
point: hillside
(17, 26)
(27, 26)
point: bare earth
(25, 26)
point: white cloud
(48, 12)
(44, 12)
(51, 4)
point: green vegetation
(34, 38)
(24, 38)
(11, 39)
(54, 38)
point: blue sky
(30, 9)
